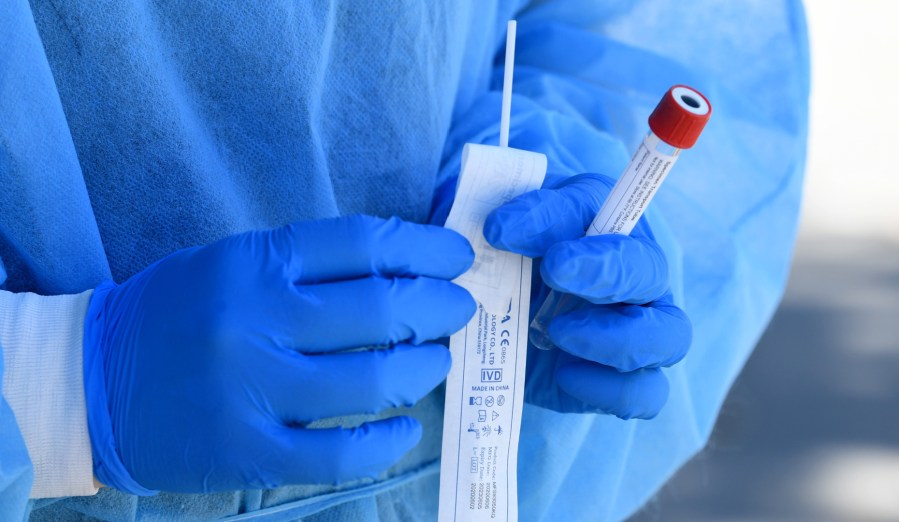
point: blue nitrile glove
(614, 346)
(202, 371)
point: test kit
(485, 387)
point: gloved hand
(202, 370)
(614, 345)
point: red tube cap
(680, 116)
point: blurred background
(810, 431)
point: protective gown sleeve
(586, 79)
(37, 164)
(16, 474)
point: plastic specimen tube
(675, 124)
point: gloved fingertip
(464, 254)
(560, 269)
(450, 253)
(633, 395)
(409, 427)
(644, 394)
(467, 306)
(424, 367)
(493, 230)
(501, 230)
(402, 434)
(373, 447)
(447, 309)
(681, 336)
(436, 251)
(531, 223)
(446, 362)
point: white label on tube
(485, 387)
(634, 190)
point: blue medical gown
(129, 130)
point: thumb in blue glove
(202, 371)
(627, 328)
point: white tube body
(619, 214)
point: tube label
(485, 387)
(635, 188)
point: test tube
(675, 124)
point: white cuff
(43, 382)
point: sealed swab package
(485, 387)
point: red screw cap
(680, 116)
